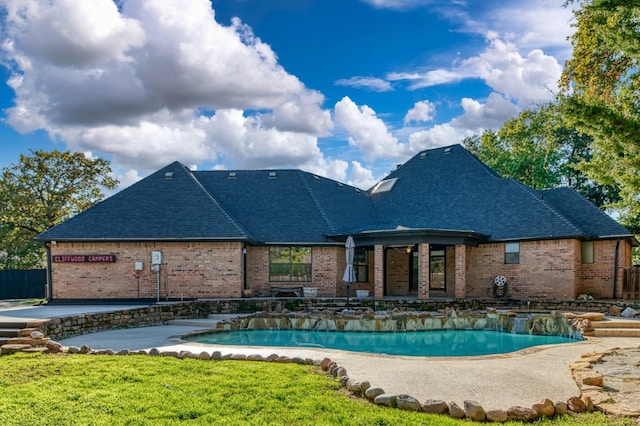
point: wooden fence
(631, 284)
(23, 284)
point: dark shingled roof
(439, 190)
(169, 204)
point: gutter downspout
(244, 267)
(48, 291)
(615, 268)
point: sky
(346, 89)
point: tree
(538, 149)
(601, 84)
(42, 190)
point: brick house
(441, 225)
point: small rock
(474, 411)
(522, 414)
(238, 357)
(123, 352)
(588, 403)
(435, 406)
(371, 393)
(364, 386)
(544, 408)
(497, 416)
(255, 357)
(344, 381)
(561, 408)
(216, 355)
(204, 355)
(408, 403)
(386, 400)
(153, 351)
(37, 335)
(271, 358)
(73, 350)
(629, 312)
(54, 346)
(576, 405)
(324, 364)
(615, 311)
(455, 411)
(298, 360)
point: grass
(40, 389)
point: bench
(286, 291)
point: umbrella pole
(348, 287)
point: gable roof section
(583, 214)
(287, 206)
(174, 207)
(450, 189)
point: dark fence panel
(631, 286)
(23, 283)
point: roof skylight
(384, 186)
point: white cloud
(490, 115)
(436, 136)
(366, 131)
(137, 79)
(398, 4)
(361, 177)
(421, 111)
(371, 83)
(529, 79)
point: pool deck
(496, 382)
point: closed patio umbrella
(349, 273)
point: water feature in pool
(439, 343)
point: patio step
(615, 328)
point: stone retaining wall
(549, 323)
(60, 328)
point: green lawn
(140, 390)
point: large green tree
(538, 149)
(42, 190)
(602, 96)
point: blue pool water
(419, 343)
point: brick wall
(547, 269)
(596, 278)
(189, 270)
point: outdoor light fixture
(409, 249)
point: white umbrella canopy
(350, 250)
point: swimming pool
(441, 343)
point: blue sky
(342, 88)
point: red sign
(84, 258)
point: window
(512, 253)
(587, 252)
(384, 186)
(289, 264)
(361, 265)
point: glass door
(437, 281)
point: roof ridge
(323, 213)
(216, 203)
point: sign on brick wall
(84, 258)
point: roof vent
(357, 190)
(233, 175)
(273, 175)
(168, 175)
(423, 154)
(316, 178)
(340, 185)
(384, 186)
(447, 150)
